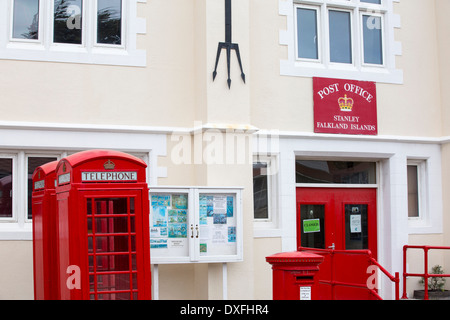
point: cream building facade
(152, 94)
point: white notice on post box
(305, 293)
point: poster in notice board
(169, 215)
(217, 224)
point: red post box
(294, 275)
(103, 228)
(43, 202)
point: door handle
(196, 228)
(192, 231)
(332, 247)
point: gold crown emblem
(109, 165)
(346, 104)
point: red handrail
(424, 275)
(395, 279)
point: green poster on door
(311, 225)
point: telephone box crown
(109, 165)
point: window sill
(259, 232)
(375, 74)
(13, 231)
(102, 56)
(423, 226)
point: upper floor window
(25, 20)
(98, 31)
(351, 39)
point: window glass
(340, 36)
(307, 33)
(26, 19)
(33, 163)
(413, 192)
(341, 172)
(260, 191)
(68, 21)
(312, 226)
(372, 1)
(109, 22)
(356, 227)
(6, 178)
(372, 38)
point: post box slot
(303, 278)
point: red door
(341, 222)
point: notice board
(195, 225)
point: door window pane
(26, 19)
(260, 191)
(340, 36)
(109, 22)
(372, 38)
(307, 33)
(6, 195)
(312, 219)
(340, 172)
(33, 163)
(68, 21)
(356, 235)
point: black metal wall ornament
(228, 45)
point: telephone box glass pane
(356, 234)
(111, 248)
(6, 178)
(312, 217)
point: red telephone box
(43, 203)
(103, 228)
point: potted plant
(436, 290)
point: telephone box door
(338, 221)
(115, 247)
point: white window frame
(89, 52)
(123, 28)
(319, 33)
(358, 70)
(383, 42)
(36, 139)
(423, 218)
(84, 29)
(15, 186)
(24, 189)
(352, 38)
(270, 226)
(40, 26)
